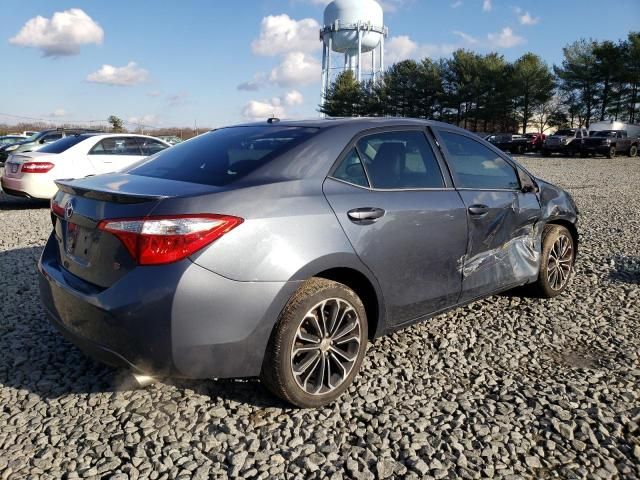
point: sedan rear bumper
(32, 185)
(172, 320)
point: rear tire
(612, 152)
(317, 346)
(556, 262)
(633, 151)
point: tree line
(486, 93)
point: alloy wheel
(560, 262)
(326, 346)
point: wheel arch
(364, 288)
(571, 226)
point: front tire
(612, 152)
(556, 262)
(633, 151)
(317, 346)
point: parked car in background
(32, 174)
(535, 141)
(11, 139)
(509, 142)
(566, 141)
(170, 139)
(609, 143)
(279, 249)
(38, 140)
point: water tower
(352, 28)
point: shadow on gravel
(36, 358)
(625, 269)
(8, 202)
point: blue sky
(215, 63)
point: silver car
(279, 249)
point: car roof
(362, 122)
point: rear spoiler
(104, 195)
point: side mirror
(529, 188)
(41, 141)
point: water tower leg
(382, 54)
(359, 55)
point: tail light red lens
(56, 208)
(158, 240)
(36, 167)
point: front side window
(150, 146)
(476, 166)
(400, 160)
(117, 146)
(351, 170)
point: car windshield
(33, 137)
(565, 133)
(605, 133)
(63, 144)
(223, 156)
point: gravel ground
(505, 388)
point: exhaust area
(143, 380)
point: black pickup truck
(609, 143)
(508, 142)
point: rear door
(503, 248)
(114, 153)
(403, 218)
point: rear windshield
(63, 144)
(223, 156)
(605, 133)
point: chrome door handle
(478, 210)
(366, 214)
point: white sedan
(32, 174)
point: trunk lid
(89, 253)
(13, 166)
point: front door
(504, 244)
(404, 220)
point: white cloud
(128, 75)
(282, 34)
(456, 4)
(399, 48)
(466, 37)
(527, 19)
(297, 68)
(505, 38)
(154, 93)
(260, 110)
(63, 34)
(58, 113)
(292, 98)
(256, 83)
(146, 120)
(403, 48)
(487, 6)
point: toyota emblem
(68, 210)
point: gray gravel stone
(507, 387)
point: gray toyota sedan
(279, 249)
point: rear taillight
(56, 208)
(36, 167)
(157, 240)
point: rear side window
(476, 166)
(63, 144)
(51, 137)
(223, 156)
(351, 170)
(400, 160)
